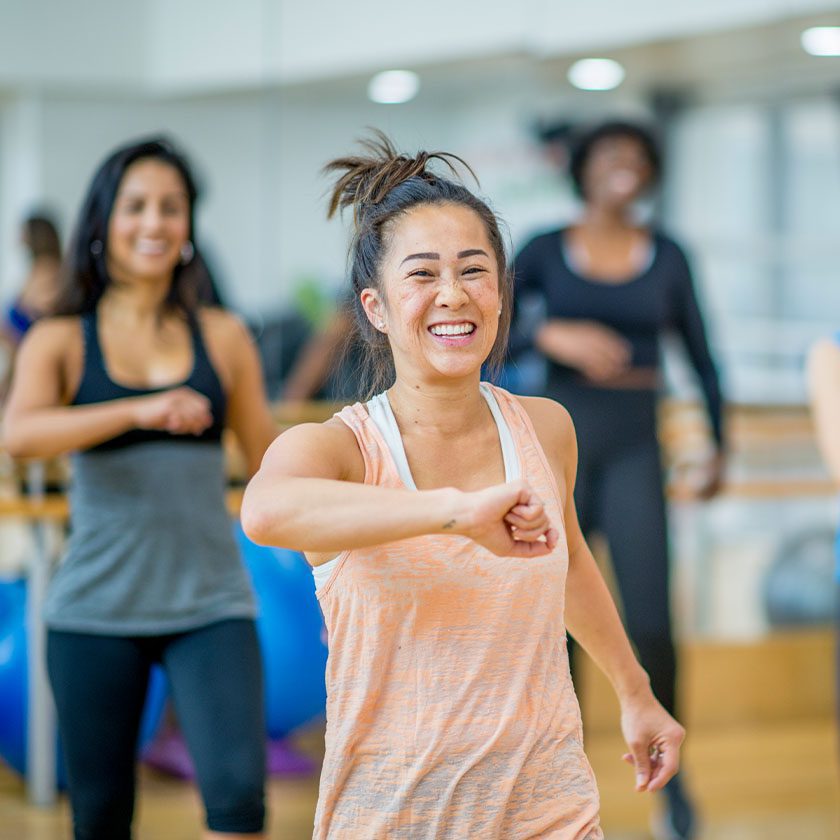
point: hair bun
(367, 179)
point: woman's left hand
(714, 477)
(654, 738)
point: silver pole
(41, 740)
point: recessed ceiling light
(821, 40)
(596, 74)
(392, 87)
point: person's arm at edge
(312, 366)
(824, 389)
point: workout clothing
(380, 412)
(151, 549)
(19, 321)
(658, 298)
(151, 574)
(619, 485)
(450, 708)
(215, 682)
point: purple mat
(168, 753)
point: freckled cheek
(410, 308)
(488, 298)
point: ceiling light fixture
(392, 87)
(821, 40)
(596, 74)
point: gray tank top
(151, 548)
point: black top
(96, 386)
(660, 298)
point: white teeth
(151, 247)
(452, 329)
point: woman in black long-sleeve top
(611, 289)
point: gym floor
(758, 773)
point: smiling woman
(138, 381)
(611, 288)
(439, 520)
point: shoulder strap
(90, 332)
(380, 468)
(534, 464)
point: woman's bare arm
(824, 388)
(308, 495)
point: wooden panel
(783, 677)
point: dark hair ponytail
(380, 187)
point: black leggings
(619, 494)
(215, 678)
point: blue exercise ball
(290, 627)
(14, 683)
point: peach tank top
(450, 708)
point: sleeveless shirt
(450, 708)
(151, 548)
(659, 299)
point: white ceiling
(207, 47)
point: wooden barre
(56, 506)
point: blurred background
(746, 95)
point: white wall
(263, 215)
(68, 44)
(21, 182)
(225, 140)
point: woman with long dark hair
(611, 288)
(440, 523)
(137, 381)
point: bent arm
(37, 424)
(312, 367)
(308, 495)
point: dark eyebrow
(430, 255)
(427, 255)
(140, 193)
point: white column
(21, 181)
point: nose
(451, 293)
(152, 218)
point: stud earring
(187, 252)
(96, 247)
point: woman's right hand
(508, 519)
(600, 353)
(181, 411)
